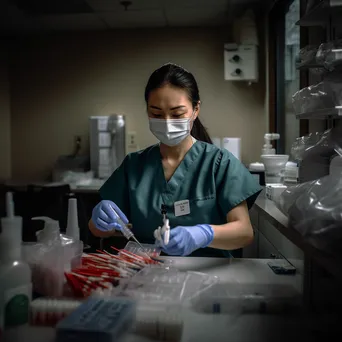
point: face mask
(171, 132)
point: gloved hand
(185, 240)
(104, 216)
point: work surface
(219, 327)
(267, 208)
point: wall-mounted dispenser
(241, 62)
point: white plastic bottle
(73, 229)
(15, 276)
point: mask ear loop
(190, 119)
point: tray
(166, 284)
(152, 250)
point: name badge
(182, 208)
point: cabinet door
(278, 240)
(251, 251)
(265, 249)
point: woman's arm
(235, 234)
(99, 233)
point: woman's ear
(197, 108)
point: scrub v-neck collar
(168, 188)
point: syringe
(127, 232)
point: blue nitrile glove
(104, 216)
(185, 240)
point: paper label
(15, 308)
(182, 208)
(105, 139)
(102, 124)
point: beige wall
(5, 118)
(58, 82)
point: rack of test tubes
(104, 270)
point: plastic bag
(307, 55)
(315, 160)
(330, 54)
(49, 261)
(304, 143)
(322, 96)
(314, 209)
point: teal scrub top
(212, 179)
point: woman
(205, 190)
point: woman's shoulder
(142, 155)
(211, 150)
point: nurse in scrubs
(205, 191)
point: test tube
(126, 232)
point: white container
(15, 276)
(233, 145)
(291, 173)
(73, 230)
(274, 167)
(273, 191)
(241, 62)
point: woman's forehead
(170, 97)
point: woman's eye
(178, 115)
(156, 115)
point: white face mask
(171, 132)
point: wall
(5, 118)
(57, 82)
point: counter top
(268, 208)
(203, 327)
(92, 187)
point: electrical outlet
(131, 138)
(131, 143)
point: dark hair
(178, 77)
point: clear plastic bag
(322, 96)
(49, 261)
(330, 54)
(314, 209)
(304, 143)
(307, 55)
(315, 160)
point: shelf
(322, 114)
(320, 14)
(334, 65)
(309, 66)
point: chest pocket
(202, 210)
(204, 207)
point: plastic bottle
(73, 230)
(267, 147)
(69, 249)
(51, 231)
(15, 276)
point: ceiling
(30, 16)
